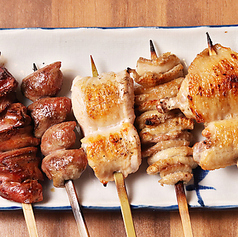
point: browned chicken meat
(19, 163)
(165, 136)
(57, 137)
(19, 175)
(44, 82)
(46, 112)
(62, 165)
(209, 91)
(103, 106)
(7, 82)
(209, 94)
(14, 116)
(158, 70)
(18, 138)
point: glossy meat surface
(19, 175)
(46, 112)
(44, 82)
(18, 138)
(13, 117)
(64, 165)
(7, 82)
(57, 137)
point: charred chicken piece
(46, 112)
(165, 136)
(7, 82)
(158, 70)
(62, 165)
(103, 106)
(209, 91)
(19, 175)
(14, 116)
(57, 137)
(7, 100)
(18, 138)
(44, 82)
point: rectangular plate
(115, 50)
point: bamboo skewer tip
(210, 45)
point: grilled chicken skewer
(18, 159)
(165, 137)
(111, 142)
(61, 163)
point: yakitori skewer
(164, 136)
(19, 182)
(120, 184)
(60, 163)
(30, 219)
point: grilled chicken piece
(18, 138)
(103, 106)
(209, 91)
(170, 126)
(19, 175)
(46, 112)
(113, 150)
(57, 137)
(103, 101)
(7, 100)
(220, 148)
(164, 135)
(147, 98)
(158, 70)
(14, 116)
(7, 82)
(64, 165)
(44, 82)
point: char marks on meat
(165, 136)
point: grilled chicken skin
(164, 135)
(210, 89)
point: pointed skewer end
(152, 51)
(210, 45)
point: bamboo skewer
(179, 187)
(30, 219)
(120, 185)
(183, 209)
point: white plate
(115, 50)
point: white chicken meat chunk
(103, 106)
